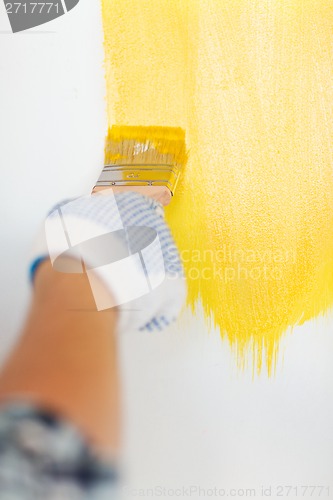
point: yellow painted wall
(251, 82)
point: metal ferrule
(139, 175)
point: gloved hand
(123, 243)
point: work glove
(123, 243)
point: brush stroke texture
(251, 83)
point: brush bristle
(132, 145)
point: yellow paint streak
(251, 83)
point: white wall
(190, 417)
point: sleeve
(42, 456)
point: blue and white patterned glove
(123, 243)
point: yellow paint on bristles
(250, 82)
(148, 145)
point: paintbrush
(144, 159)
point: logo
(87, 235)
(25, 15)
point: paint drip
(251, 83)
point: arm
(66, 359)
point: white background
(190, 417)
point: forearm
(66, 358)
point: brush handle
(159, 193)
